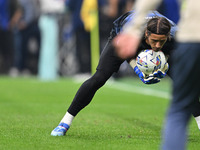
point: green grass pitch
(120, 117)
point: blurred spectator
(68, 64)
(25, 31)
(9, 15)
(82, 37)
(170, 9)
(111, 10)
(129, 5)
(51, 12)
(107, 14)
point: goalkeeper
(159, 35)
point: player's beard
(156, 49)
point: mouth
(156, 49)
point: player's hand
(126, 45)
(150, 80)
(146, 79)
(161, 73)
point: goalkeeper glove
(161, 73)
(146, 80)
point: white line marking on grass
(136, 89)
(132, 88)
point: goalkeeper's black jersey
(127, 17)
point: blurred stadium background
(51, 39)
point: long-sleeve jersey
(120, 25)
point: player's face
(156, 41)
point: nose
(158, 45)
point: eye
(154, 41)
(162, 41)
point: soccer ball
(148, 61)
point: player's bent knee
(99, 79)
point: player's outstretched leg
(60, 130)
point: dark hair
(158, 25)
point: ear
(146, 34)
